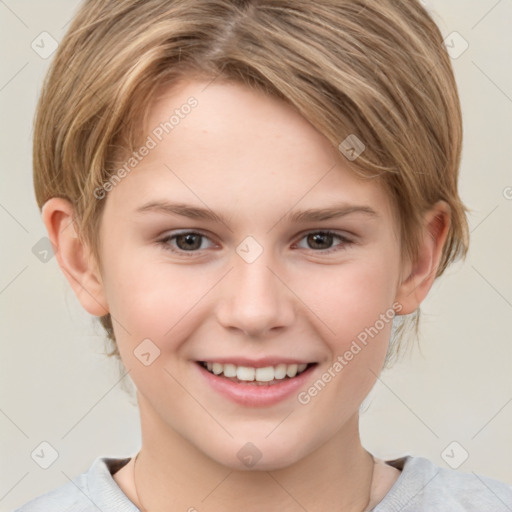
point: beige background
(57, 387)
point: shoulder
(424, 486)
(70, 496)
(95, 489)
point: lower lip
(254, 395)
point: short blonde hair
(374, 69)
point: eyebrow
(297, 216)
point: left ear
(422, 273)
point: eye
(187, 241)
(191, 242)
(320, 239)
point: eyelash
(345, 242)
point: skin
(253, 159)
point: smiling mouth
(267, 375)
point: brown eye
(322, 241)
(189, 241)
(185, 242)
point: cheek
(351, 297)
(358, 307)
(158, 307)
(153, 300)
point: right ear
(74, 257)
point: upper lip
(256, 363)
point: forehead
(233, 148)
(231, 120)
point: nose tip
(254, 300)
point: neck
(172, 473)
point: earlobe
(73, 256)
(422, 273)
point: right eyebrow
(182, 209)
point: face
(215, 255)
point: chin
(263, 456)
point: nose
(254, 299)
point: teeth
(245, 373)
(280, 371)
(265, 374)
(229, 370)
(291, 371)
(249, 374)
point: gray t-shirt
(422, 486)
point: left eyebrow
(297, 216)
(320, 214)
